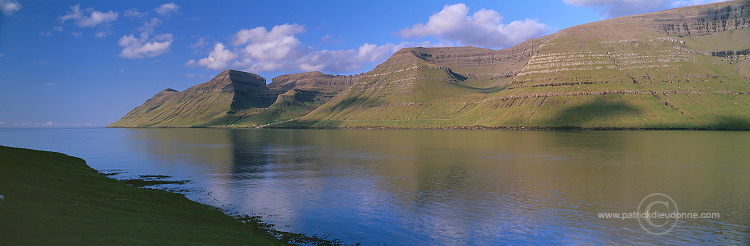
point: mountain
(298, 95)
(422, 87)
(235, 98)
(680, 68)
(685, 68)
(227, 98)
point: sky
(87, 63)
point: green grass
(55, 199)
(618, 73)
(584, 77)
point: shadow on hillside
(729, 123)
(720, 16)
(487, 90)
(305, 96)
(355, 101)
(246, 100)
(600, 110)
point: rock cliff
(684, 68)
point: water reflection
(465, 187)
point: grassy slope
(405, 91)
(673, 84)
(233, 101)
(55, 199)
(628, 72)
(653, 70)
(299, 95)
(218, 102)
(181, 110)
(290, 105)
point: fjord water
(440, 187)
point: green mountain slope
(298, 95)
(236, 99)
(680, 68)
(228, 97)
(421, 87)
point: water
(441, 187)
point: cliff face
(223, 100)
(635, 72)
(235, 98)
(680, 68)
(298, 95)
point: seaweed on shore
(111, 172)
(144, 181)
(290, 238)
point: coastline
(56, 199)
(477, 127)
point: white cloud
(134, 13)
(218, 59)
(9, 6)
(277, 44)
(260, 50)
(93, 19)
(167, 8)
(262, 35)
(201, 45)
(144, 46)
(97, 18)
(484, 28)
(677, 4)
(347, 60)
(616, 8)
(101, 34)
(150, 26)
(45, 34)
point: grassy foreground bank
(55, 199)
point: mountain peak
(297, 76)
(682, 68)
(297, 80)
(232, 80)
(240, 76)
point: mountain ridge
(684, 68)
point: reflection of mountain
(462, 184)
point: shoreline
(55, 199)
(477, 127)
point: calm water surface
(437, 187)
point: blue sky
(87, 63)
